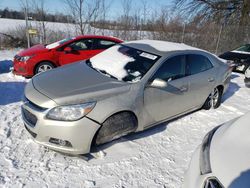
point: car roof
(99, 37)
(160, 47)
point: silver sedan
(127, 88)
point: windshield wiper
(107, 74)
(88, 62)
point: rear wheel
(115, 127)
(44, 66)
(214, 99)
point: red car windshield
(58, 43)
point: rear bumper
(77, 135)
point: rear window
(197, 64)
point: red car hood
(39, 48)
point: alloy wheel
(44, 68)
(214, 97)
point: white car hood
(230, 153)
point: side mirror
(68, 50)
(159, 83)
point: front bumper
(241, 66)
(77, 134)
(193, 177)
(21, 68)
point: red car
(40, 58)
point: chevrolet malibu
(128, 88)
(222, 160)
(40, 58)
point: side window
(197, 64)
(173, 68)
(84, 44)
(104, 44)
(245, 48)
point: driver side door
(81, 50)
(166, 101)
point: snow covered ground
(157, 157)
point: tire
(247, 72)
(115, 127)
(246, 69)
(44, 66)
(214, 99)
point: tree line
(34, 15)
(209, 24)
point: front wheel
(44, 66)
(213, 100)
(247, 71)
(115, 127)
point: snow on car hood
(230, 152)
(77, 83)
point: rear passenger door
(200, 77)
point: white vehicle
(223, 158)
(247, 77)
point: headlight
(25, 58)
(205, 166)
(70, 112)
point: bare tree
(40, 10)
(83, 12)
(25, 6)
(236, 11)
(104, 8)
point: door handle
(210, 79)
(183, 89)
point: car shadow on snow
(232, 89)
(11, 92)
(5, 66)
(133, 136)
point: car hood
(39, 48)
(230, 153)
(77, 83)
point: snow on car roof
(160, 47)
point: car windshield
(58, 43)
(123, 63)
(245, 48)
